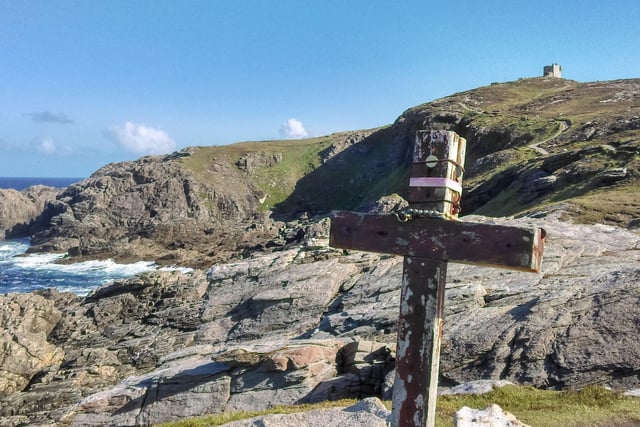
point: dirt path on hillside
(536, 146)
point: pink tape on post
(435, 182)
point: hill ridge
(533, 146)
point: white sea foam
(108, 267)
(10, 248)
(24, 273)
(36, 261)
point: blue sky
(86, 83)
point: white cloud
(143, 140)
(293, 129)
(47, 146)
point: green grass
(506, 203)
(618, 205)
(592, 406)
(298, 177)
(512, 115)
(277, 182)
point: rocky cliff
(532, 145)
(21, 213)
(150, 209)
(312, 323)
(271, 315)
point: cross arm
(512, 247)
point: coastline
(22, 183)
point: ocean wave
(10, 248)
(108, 266)
(25, 273)
(36, 261)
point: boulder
(492, 416)
(259, 159)
(285, 375)
(362, 367)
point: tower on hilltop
(553, 70)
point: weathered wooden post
(436, 173)
(428, 235)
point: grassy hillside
(299, 158)
(338, 171)
(532, 145)
(583, 135)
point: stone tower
(553, 70)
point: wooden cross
(429, 235)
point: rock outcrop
(311, 323)
(26, 321)
(21, 211)
(368, 412)
(154, 208)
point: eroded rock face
(20, 212)
(312, 323)
(26, 320)
(253, 377)
(543, 330)
(252, 161)
(153, 208)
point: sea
(25, 182)
(22, 272)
